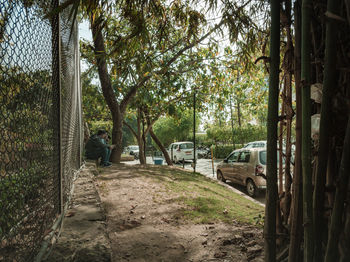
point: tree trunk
(306, 131)
(107, 89)
(140, 138)
(272, 122)
(329, 83)
(336, 226)
(117, 137)
(161, 147)
(297, 208)
(239, 114)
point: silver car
(245, 167)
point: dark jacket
(95, 144)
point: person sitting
(97, 147)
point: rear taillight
(259, 170)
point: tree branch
(131, 129)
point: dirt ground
(143, 223)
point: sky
(84, 33)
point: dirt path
(83, 235)
(144, 222)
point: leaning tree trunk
(336, 226)
(161, 147)
(106, 85)
(297, 209)
(306, 130)
(329, 82)
(272, 122)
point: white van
(181, 151)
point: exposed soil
(144, 223)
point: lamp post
(194, 132)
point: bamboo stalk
(332, 253)
(272, 122)
(306, 130)
(329, 83)
(296, 216)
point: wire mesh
(40, 123)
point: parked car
(246, 167)
(181, 151)
(255, 144)
(132, 150)
(203, 152)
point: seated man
(97, 147)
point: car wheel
(175, 159)
(251, 188)
(220, 177)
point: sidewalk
(83, 235)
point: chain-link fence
(40, 122)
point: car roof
(261, 141)
(250, 149)
(185, 142)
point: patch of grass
(206, 200)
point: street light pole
(194, 132)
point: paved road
(205, 167)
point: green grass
(205, 200)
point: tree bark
(297, 208)
(306, 131)
(329, 83)
(336, 226)
(161, 147)
(272, 122)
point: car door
(171, 153)
(242, 167)
(176, 152)
(229, 166)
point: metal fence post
(79, 91)
(56, 75)
(61, 174)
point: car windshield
(134, 148)
(186, 146)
